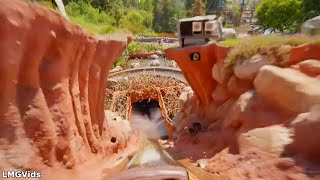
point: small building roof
(198, 18)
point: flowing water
(147, 119)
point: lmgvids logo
(20, 174)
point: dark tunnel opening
(145, 106)
(147, 117)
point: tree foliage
(142, 17)
(282, 15)
(198, 8)
(311, 8)
(166, 13)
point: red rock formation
(251, 124)
(198, 73)
(304, 52)
(52, 82)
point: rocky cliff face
(257, 119)
(52, 83)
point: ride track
(178, 168)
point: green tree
(311, 8)
(134, 22)
(188, 4)
(164, 16)
(113, 8)
(282, 15)
(95, 21)
(146, 5)
(198, 8)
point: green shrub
(138, 22)
(121, 61)
(229, 42)
(90, 18)
(137, 47)
(280, 14)
(229, 26)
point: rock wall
(254, 119)
(52, 83)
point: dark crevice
(145, 105)
(113, 139)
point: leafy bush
(280, 14)
(121, 61)
(137, 47)
(311, 8)
(92, 19)
(137, 22)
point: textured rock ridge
(261, 121)
(52, 82)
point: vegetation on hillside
(286, 15)
(198, 8)
(138, 47)
(141, 17)
(245, 48)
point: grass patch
(138, 47)
(93, 28)
(248, 47)
(229, 42)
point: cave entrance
(146, 116)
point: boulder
(159, 52)
(109, 115)
(182, 99)
(233, 117)
(282, 56)
(223, 110)
(155, 62)
(173, 64)
(220, 94)
(228, 33)
(202, 163)
(307, 134)
(237, 86)
(247, 69)
(250, 110)
(154, 56)
(135, 65)
(288, 88)
(220, 73)
(115, 121)
(310, 67)
(177, 119)
(187, 89)
(272, 139)
(183, 124)
(210, 112)
(311, 26)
